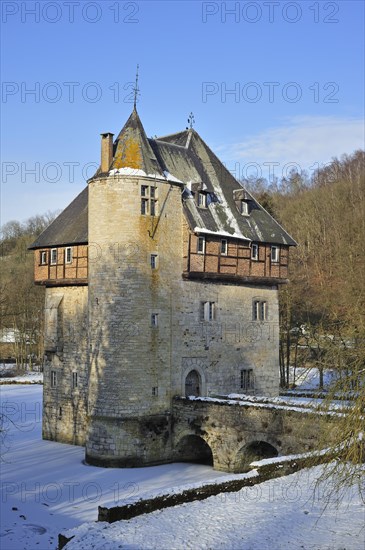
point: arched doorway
(193, 384)
(257, 450)
(193, 448)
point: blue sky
(294, 70)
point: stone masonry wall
(232, 341)
(229, 430)
(64, 404)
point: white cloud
(306, 140)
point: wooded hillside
(21, 301)
(323, 307)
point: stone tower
(135, 221)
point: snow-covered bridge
(231, 432)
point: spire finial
(136, 89)
(191, 120)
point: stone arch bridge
(231, 433)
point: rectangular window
(144, 207)
(153, 207)
(275, 254)
(53, 256)
(74, 380)
(155, 391)
(202, 200)
(148, 200)
(154, 319)
(208, 311)
(259, 310)
(254, 251)
(224, 247)
(201, 245)
(60, 413)
(244, 208)
(247, 381)
(68, 255)
(53, 379)
(43, 257)
(153, 261)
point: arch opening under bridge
(256, 450)
(193, 448)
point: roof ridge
(168, 143)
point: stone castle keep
(161, 280)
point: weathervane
(191, 120)
(136, 89)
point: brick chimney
(106, 151)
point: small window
(208, 311)
(53, 379)
(153, 206)
(68, 255)
(247, 380)
(154, 320)
(201, 245)
(259, 310)
(60, 413)
(144, 207)
(202, 200)
(43, 257)
(254, 251)
(224, 247)
(74, 379)
(53, 256)
(155, 391)
(153, 261)
(244, 208)
(275, 254)
(148, 200)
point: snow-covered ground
(8, 375)
(279, 514)
(46, 489)
(308, 378)
(53, 490)
(27, 378)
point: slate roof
(69, 228)
(185, 159)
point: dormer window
(244, 208)
(202, 200)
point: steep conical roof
(132, 148)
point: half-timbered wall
(61, 270)
(237, 260)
